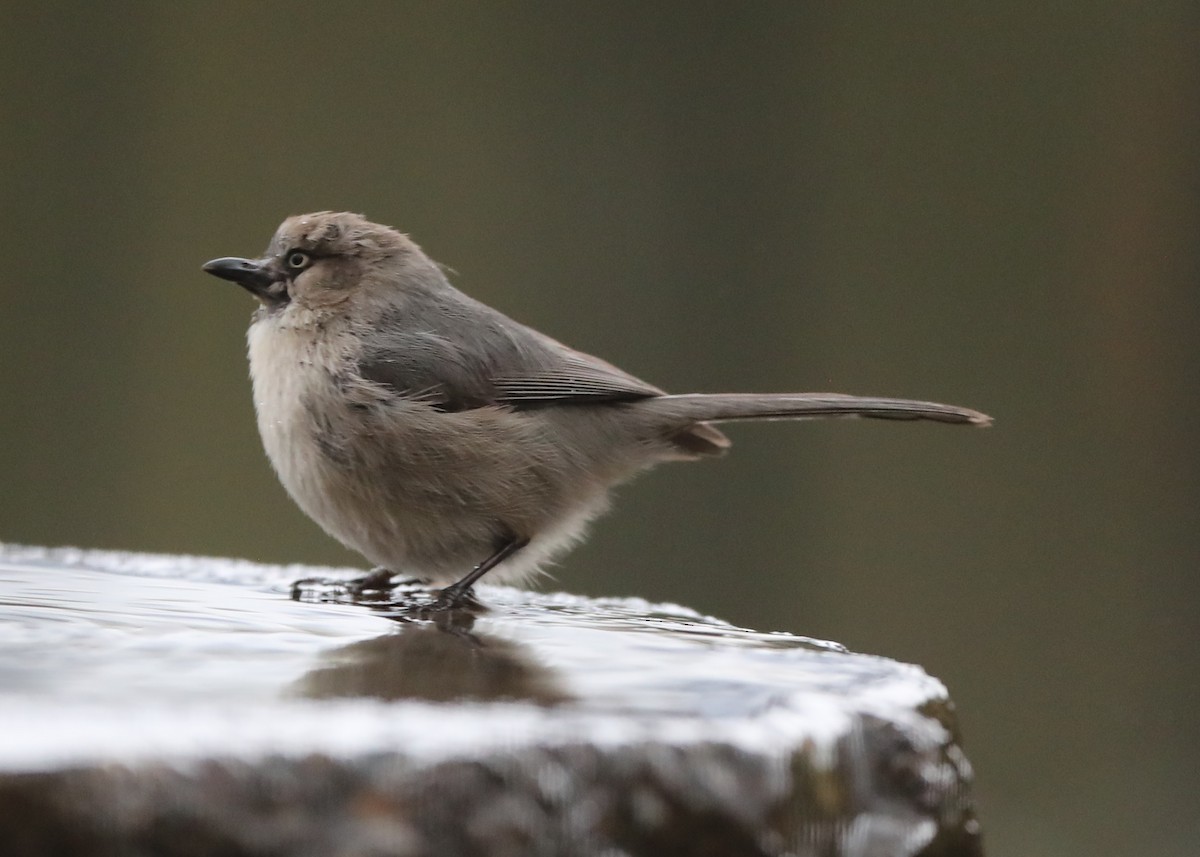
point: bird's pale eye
(298, 261)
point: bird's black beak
(254, 275)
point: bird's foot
(378, 580)
(372, 587)
(454, 597)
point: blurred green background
(996, 207)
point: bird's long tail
(720, 407)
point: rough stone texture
(547, 725)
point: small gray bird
(438, 437)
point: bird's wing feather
(423, 367)
(422, 358)
(524, 370)
(577, 379)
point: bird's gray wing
(519, 372)
(510, 365)
(575, 378)
(425, 367)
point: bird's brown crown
(338, 233)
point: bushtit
(440, 438)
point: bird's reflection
(440, 661)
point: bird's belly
(417, 494)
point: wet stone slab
(175, 705)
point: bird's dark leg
(456, 594)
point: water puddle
(179, 655)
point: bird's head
(323, 259)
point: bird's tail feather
(720, 407)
